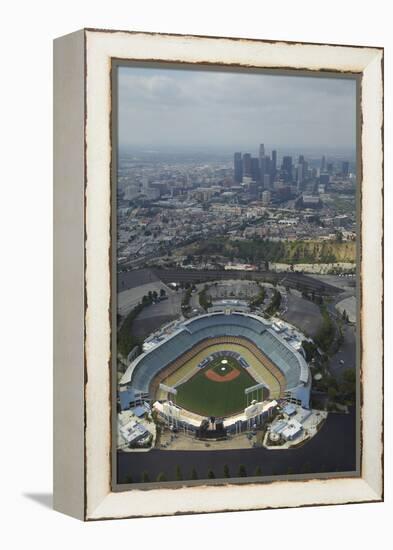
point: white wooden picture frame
(82, 271)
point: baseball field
(217, 389)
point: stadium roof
(291, 363)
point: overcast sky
(234, 111)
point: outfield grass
(209, 398)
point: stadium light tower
(170, 391)
(253, 389)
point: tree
(226, 471)
(242, 471)
(194, 474)
(348, 384)
(125, 339)
(258, 471)
(210, 474)
(145, 477)
(325, 336)
(179, 475)
(161, 477)
(332, 393)
(310, 349)
(204, 298)
(274, 303)
(128, 479)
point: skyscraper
(247, 164)
(299, 175)
(262, 167)
(324, 179)
(345, 168)
(255, 170)
(268, 165)
(323, 164)
(238, 167)
(305, 170)
(287, 168)
(273, 170)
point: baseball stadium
(220, 372)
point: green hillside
(259, 250)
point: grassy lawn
(210, 398)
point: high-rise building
(266, 181)
(238, 167)
(255, 170)
(324, 179)
(268, 165)
(345, 168)
(305, 171)
(266, 196)
(273, 165)
(287, 168)
(323, 164)
(299, 175)
(247, 165)
(262, 167)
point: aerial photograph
(236, 354)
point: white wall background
(26, 270)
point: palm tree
(145, 477)
(242, 471)
(226, 471)
(161, 477)
(210, 474)
(179, 475)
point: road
(345, 358)
(293, 280)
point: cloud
(234, 109)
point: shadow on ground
(44, 499)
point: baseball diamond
(223, 394)
(250, 348)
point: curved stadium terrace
(271, 359)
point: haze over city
(167, 109)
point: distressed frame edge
(376, 486)
(68, 274)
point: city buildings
(166, 204)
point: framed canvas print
(218, 274)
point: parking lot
(302, 313)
